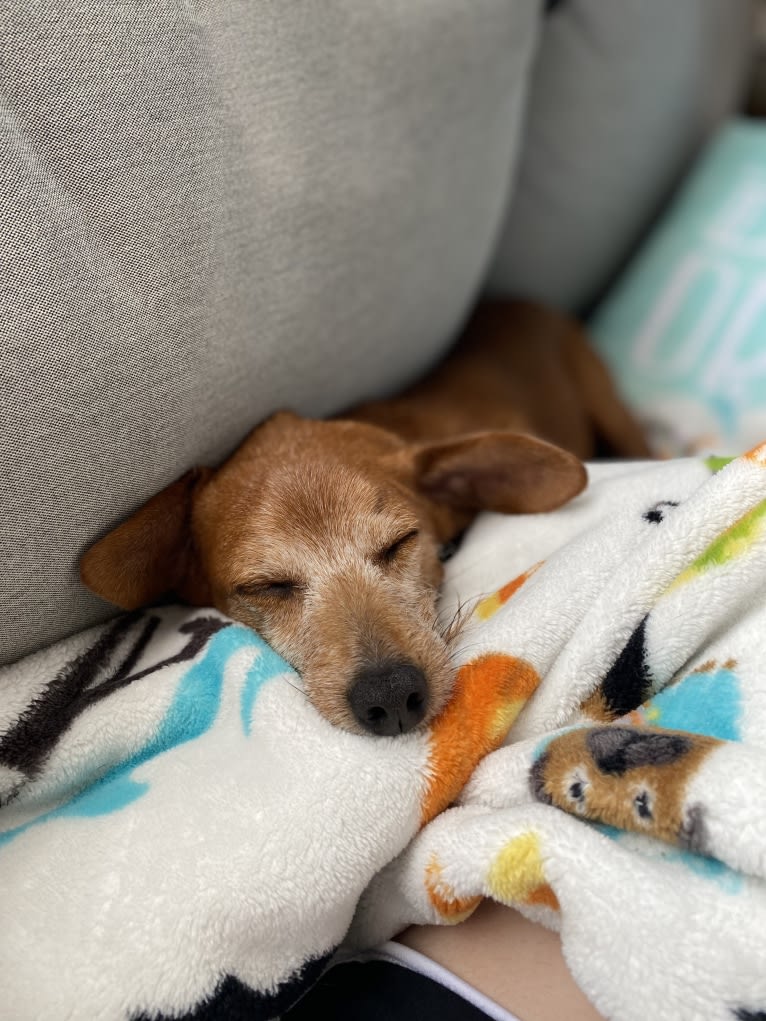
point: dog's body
(324, 535)
(522, 367)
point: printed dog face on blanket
(324, 537)
(630, 777)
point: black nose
(389, 698)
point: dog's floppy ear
(499, 471)
(147, 555)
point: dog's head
(324, 537)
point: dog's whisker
(463, 650)
(296, 686)
(457, 624)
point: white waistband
(413, 960)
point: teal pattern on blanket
(710, 869)
(685, 329)
(703, 702)
(191, 714)
(268, 664)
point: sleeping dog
(324, 536)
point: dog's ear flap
(499, 471)
(146, 556)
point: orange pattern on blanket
(757, 455)
(450, 907)
(544, 897)
(486, 607)
(489, 694)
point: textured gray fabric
(623, 95)
(212, 210)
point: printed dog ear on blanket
(615, 750)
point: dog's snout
(390, 698)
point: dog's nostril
(414, 702)
(389, 698)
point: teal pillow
(684, 331)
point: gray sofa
(213, 211)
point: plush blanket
(182, 836)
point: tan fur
(290, 534)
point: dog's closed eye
(281, 588)
(389, 553)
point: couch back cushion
(211, 211)
(624, 96)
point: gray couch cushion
(209, 211)
(623, 96)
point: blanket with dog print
(183, 836)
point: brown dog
(324, 536)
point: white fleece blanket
(182, 836)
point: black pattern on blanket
(182, 836)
